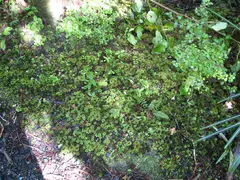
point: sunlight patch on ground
(27, 35)
(30, 37)
(55, 9)
(54, 163)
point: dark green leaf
(160, 115)
(235, 134)
(2, 44)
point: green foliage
(151, 21)
(3, 36)
(104, 109)
(198, 55)
(201, 57)
(114, 101)
(80, 25)
(34, 28)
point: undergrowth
(130, 96)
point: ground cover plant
(129, 87)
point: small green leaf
(150, 130)
(132, 39)
(183, 91)
(139, 31)
(151, 17)
(220, 26)
(6, 31)
(160, 115)
(18, 109)
(159, 49)
(102, 83)
(171, 42)
(168, 27)
(2, 44)
(157, 39)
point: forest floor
(32, 153)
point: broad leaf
(6, 31)
(132, 39)
(157, 39)
(139, 31)
(183, 91)
(137, 6)
(151, 17)
(220, 26)
(159, 49)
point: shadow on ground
(17, 160)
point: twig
(195, 161)
(2, 128)
(2, 150)
(197, 177)
(33, 148)
(53, 176)
(57, 167)
(33, 136)
(106, 170)
(4, 120)
(194, 154)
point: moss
(113, 101)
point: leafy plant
(80, 25)
(150, 21)
(32, 32)
(3, 36)
(97, 94)
(201, 58)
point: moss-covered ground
(104, 89)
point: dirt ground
(33, 155)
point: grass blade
(222, 121)
(235, 164)
(231, 97)
(221, 134)
(220, 131)
(233, 137)
(222, 156)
